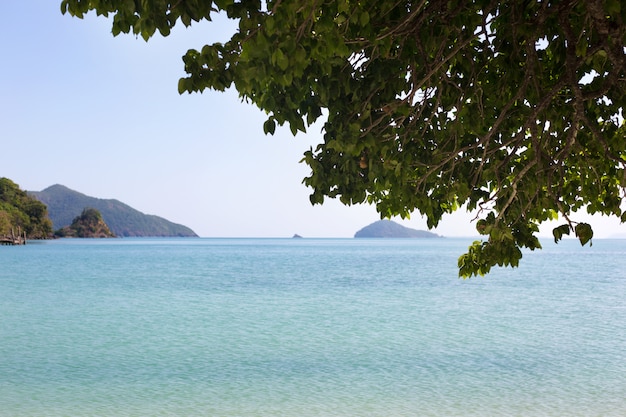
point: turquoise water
(308, 327)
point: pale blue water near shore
(308, 327)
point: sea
(309, 327)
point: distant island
(390, 229)
(64, 205)
(89, 224)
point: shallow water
(308, 327)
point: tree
(511, 108)
(20, 211)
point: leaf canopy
(512, 108)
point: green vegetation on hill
(387, 228)
(19, 211)
(65, 204)
(88, 224)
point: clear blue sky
(102, 115)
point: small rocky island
(389, 229)
(88, 224)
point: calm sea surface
(309, 327)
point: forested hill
(20, 213)
(65, 204)
(387, 228)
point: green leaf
(559, 231)
(222, 4)
(281, 59)
(269, 126)
(182, 85)
(297, 124)
(583, 232)
(364, 19)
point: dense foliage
(19, 211)
(512, 108)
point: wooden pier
(13, 239)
